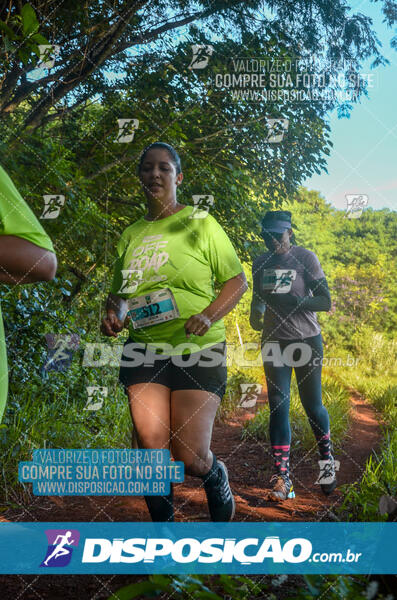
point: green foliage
(361, 500)
(237, 587)
(334, 587)
(378, 354)
(130, 36)
(187, 586)
(20, 36)
(45, 409)
(358, 257)
(375, 378)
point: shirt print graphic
(278, 281)
(148, 258)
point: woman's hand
(197, 324)
(111, 325)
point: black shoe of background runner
(220, 499)
(329, 473)
(161, 508)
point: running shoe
(327, 472)
(220, 499)
(282, 487)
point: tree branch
(64, 111)
(109, 166)
(80, 71)
(150, 35)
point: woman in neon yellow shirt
(166, 266)
(26, 255)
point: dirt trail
(250, 467)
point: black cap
(277, 221)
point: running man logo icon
(249, 394)
(127, 128)
(202, 205)
(52, 205)
(60, 351)
(96, 397)
(285, 279)
(278, 281)
(355, 205)
(326, 474)
(131, 279)
(201, 56)
(58, 553)
(277, 128)
(47, 55)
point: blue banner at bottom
(174, 548)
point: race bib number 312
(153, 308)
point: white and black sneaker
(327, 476)
(220, 499)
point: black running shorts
(204, 370)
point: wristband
(207, 319)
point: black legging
(308, 377)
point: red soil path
(250, 468)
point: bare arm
(228, 297)
(22, 261)
(117, 305)
(115, 320)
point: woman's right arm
(22, 261)
(115, 320)
(256, 316)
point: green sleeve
(219, 251)
(16, 218)
(257, 302)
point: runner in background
(166, 267)
(289, 286)
(26, 256)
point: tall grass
(380, 477)
(377, 352)
(375, 378)
(39, 421)
(239, 587)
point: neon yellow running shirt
(17, 219)
(186, 255)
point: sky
(363, 159)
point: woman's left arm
(228, 297)
(320, 301)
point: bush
(380, 477)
